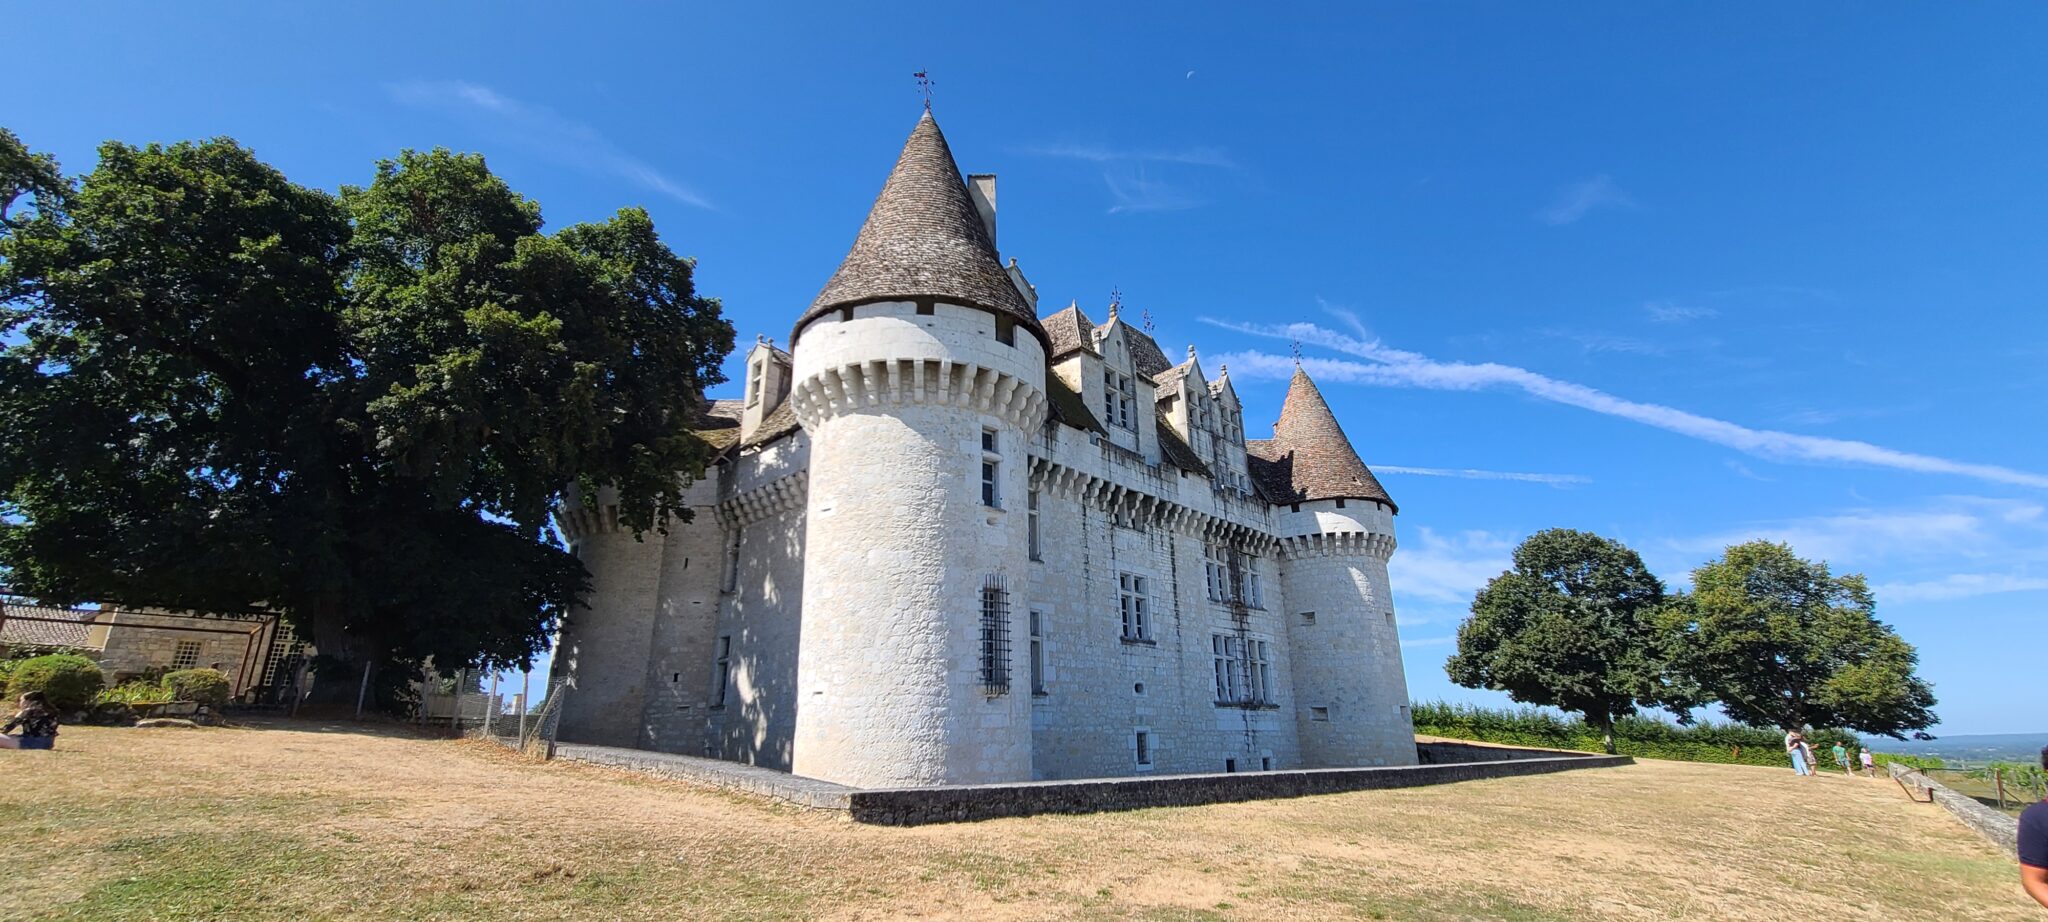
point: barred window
(185, 655)
(284, 644)
(1134, 606)
(995, 636)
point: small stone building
(257, 652)
(950, 541)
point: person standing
(2034, 846)
(1812, 762)
(1869, 762)
(1792, 743)
(1841, 754)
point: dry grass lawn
(303, 821)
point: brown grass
(309, 822)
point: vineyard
(1706, 741)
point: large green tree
(1780, 641)
(226, 392)
(1573, 625)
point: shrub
(1647, 737)
(135, 692)
(69, 681)
(205, 686)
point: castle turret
(1336, 530)
(919, 375)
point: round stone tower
(1336, 535)
(919, 375)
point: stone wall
(2000, 829)
(137, 643)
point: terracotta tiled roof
(67, 629)
(1070, 331)
(924, 239)
(1308, 457)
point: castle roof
(924, 239)
(1146, 357)
(1069, 331)
(1308, 457)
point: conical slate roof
(924, 239)
(1308, 457)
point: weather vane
(1146, 317)
(924, 85)
(1296, 345)
(1116, 302)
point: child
(38, 725)
(1869, 764)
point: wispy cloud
(546, 132)
(1389, 367)
(1443, 641)
(1580, 198)
(1958, 586)
(1743, 469)
(1133, 191)
(1134, 175)
(1447, 569)
(1094, 153)
(1555, 480)
(1590, 343)
(1672, 312)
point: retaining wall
(2000, 829)
(960, 803)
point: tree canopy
(1573, 625)
(1780, 641)
(228, 392)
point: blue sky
(1684, 275)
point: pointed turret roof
(1308, 457)
(924, 239)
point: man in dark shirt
(2034, 846)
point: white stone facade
(861, 598)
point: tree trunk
(1605, 721)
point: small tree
(1573, 626)
(1780, 641)
(68, 680)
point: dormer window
(754, 377)
(1119, 396)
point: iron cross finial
(924, 85)
(1145, 317)
(1116, 302)
(1296, 344)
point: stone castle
(949, 541)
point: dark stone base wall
(1443, 763)
(917, 806)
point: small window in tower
(845, 314)
(1038, 654)
(1265, 763)
(1006, 331)
(1230, 766)
(724, 672)
(926, 307)
(1031, 527)
(991, 470)
(1319, 713)
(1144, 743)
(1293, 507)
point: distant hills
(1978, 747)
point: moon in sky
(1190, 76)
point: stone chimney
(982, 188)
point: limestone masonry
(949, 541)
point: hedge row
(1726, 743)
